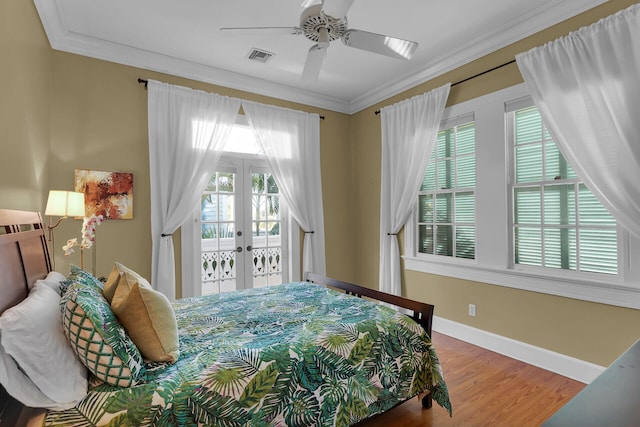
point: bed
(319, 352)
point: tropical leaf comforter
(296, 354)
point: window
(557, 221)
(533, 225)
(446, 201)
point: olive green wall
(596, 333)
(25, 95)
(59, 112)
(99, 121)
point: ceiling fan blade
(276, 31)
(378, 43)
(307, 3)
(312, 65)
(336, 9)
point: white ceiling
(183, 38)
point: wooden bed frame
(24, 258)
(422, 312)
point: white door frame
(191, 232)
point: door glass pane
(218, 216)
(273, 207)
(272, 187)
(226, 182)
(212, 184)
(209, 204)
(259, 207)
(266, 254)
(258, 183)
(226, 207)
(258, 229)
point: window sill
(612, 292)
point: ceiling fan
(325, 22)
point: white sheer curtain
(291, 143)
(587, 88)
(409, 132)
(187, 129)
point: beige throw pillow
(148, 317)
(114, 279)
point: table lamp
(63, 204)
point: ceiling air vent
(259, 55)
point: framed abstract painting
(109, 194)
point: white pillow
(53, 280)
(21, 387)
(32, 335)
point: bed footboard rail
(422, 312)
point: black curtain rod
(474, 76)
(146, 82)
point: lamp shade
(65, 203)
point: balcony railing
(219, 260)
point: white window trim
(493, 263)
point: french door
(243, 239)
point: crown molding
(548, 13)
(544, 16)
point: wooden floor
(486, 389)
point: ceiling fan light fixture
(323, 37)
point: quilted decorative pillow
(148, 317)
(78, 275)
(97, 337)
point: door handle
(239, 249)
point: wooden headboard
(24, 256)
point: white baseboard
(561, 364)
